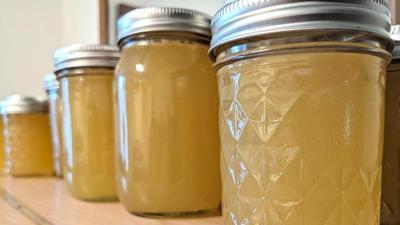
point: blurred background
(31, 30)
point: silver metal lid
(395, 35)
(159, 19)
(18, 104)
(51, 83)
(243, 19)
(91, 55)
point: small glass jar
(390, 208)
(52, 89)
(302, 87)
(86, 73)
(167, 114)
(27, 136)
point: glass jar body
(88, 133)
(302, 137)
(55, 116)
(390, 211)
(3, 162)
(167, 129)
(28, 144)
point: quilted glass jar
(52, 89)
(27, 136)
(167, 115)
(86, 73)
(301, 110)
(390, 211)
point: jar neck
(301, 43)
(85, 71)
(163, 37)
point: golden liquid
(89, 134)
(302, 138)
(3, 168)
(168, 154)
(28, 143)
(55, 118)
(390, 211)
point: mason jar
(302, 88)
(390, 211)
(3, 163)
(167, 114)
(86, 73)
(52, 90)
(27, 136)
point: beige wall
(31, 30)
(80, 21)
(29, 33)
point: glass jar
(301, 110)
(27, 136)
(3, 163)
(390, 211)
(167, 114)
(86, 73)
(52, 89)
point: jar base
(98, 200)
(189, 214)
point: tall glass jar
(52, 89)
(302, 87)
(27, 136)
(86, 73)
(390, 211)
(167, 114)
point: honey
(85, 73)
(3, 167)
(30, 153)
(302, 138)
(89, 134)
(302, 97)
(52, 89)
(168, 153)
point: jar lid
(18, 104)
(159, 19)
(395, 35)
(243, 19)
(91, 55)
(51, 83)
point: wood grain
(49, 198)
(10, 216)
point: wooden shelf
(46, 201)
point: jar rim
(240, 20)
(91, 55)
(20, 104)
(163, 19)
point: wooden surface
(46, 201)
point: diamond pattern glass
(302, 139)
